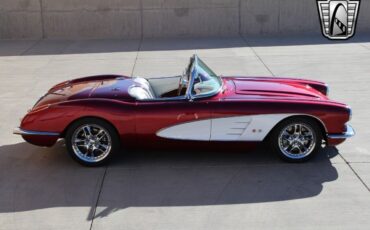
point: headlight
(350, 112)
(327, 89)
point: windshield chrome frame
(191, 96)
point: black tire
(110, 140)
(278, 142)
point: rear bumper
(20, 131)
(350, 132)
(37, 137)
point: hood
(275, 89)
(105, 87)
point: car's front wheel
(296, 139)
(91, 141)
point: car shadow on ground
(34, 178)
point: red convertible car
(95, 114)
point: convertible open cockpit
(198, 80)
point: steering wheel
(182, 83)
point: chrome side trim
(159, 99)
(20, 131)
(350, 132)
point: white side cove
(236, 128)
(194, 130)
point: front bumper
(350, 132)
(22, 132)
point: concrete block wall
(70, 19)
(91, 18)
(20, 19)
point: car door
(179, 119)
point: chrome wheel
(297, 140)
(91, 143)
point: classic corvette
(95, 114)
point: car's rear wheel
(296, 139)
(92, 141)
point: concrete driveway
(42, 188)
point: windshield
(204, 81)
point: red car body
(139, 122)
